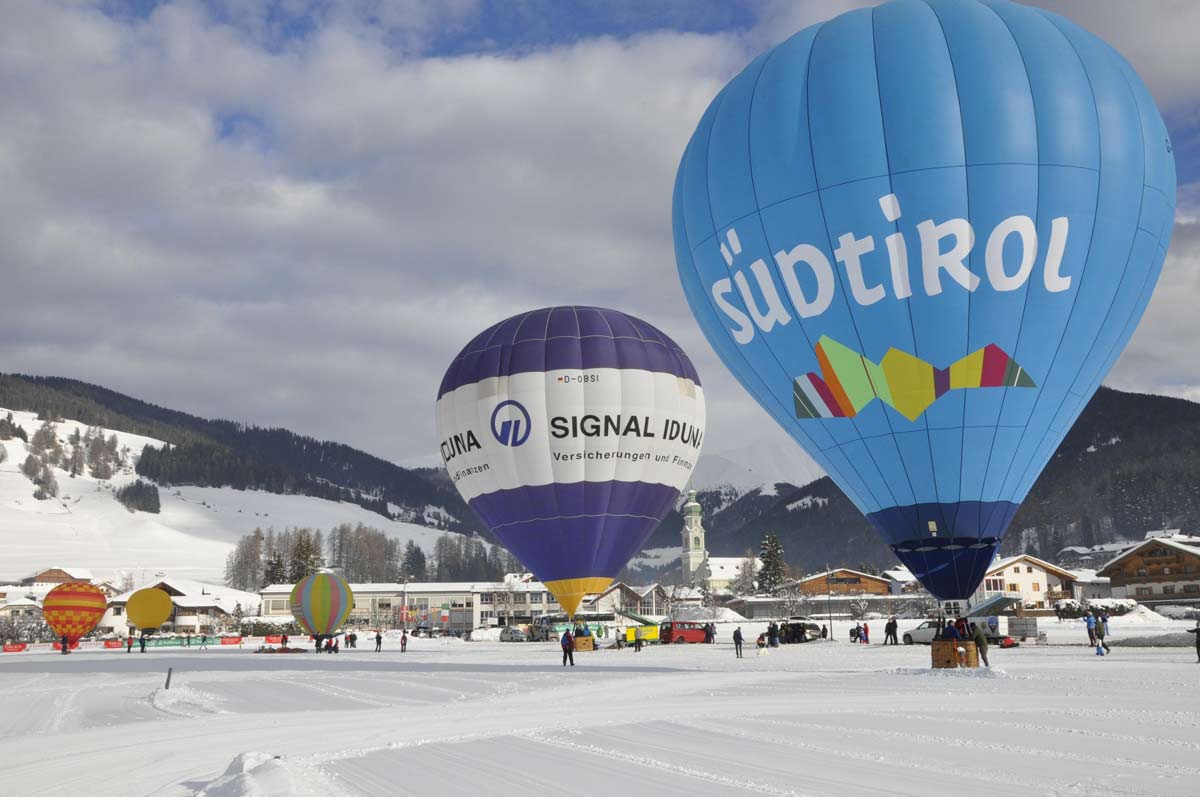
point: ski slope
(191, 537)
(452, 717)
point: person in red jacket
(568, 646)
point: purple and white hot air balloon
(570, 431)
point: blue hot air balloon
(920, 235)
(570, 432)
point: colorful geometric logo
(908, 384)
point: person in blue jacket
(1090, 620)
(568, 646)
(950, 631)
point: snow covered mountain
(197, 527)
(759, 464)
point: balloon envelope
(570, 432)
(73, 609)
(149, 607)
(321, 602)
(920, 235)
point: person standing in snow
(378, 641)
(283, 640)
(981, 642)
(1196, 631)
(824, 632)
(866, 634)
(1090, 620)
(1104, 620)
(204, 641)
(403, 641)
(129, 643)
(889, 632)
(317, 642)
(637, 639)
(737, 642)
(568, 647)
(142, 643)
(1100, 633)
(66, 646)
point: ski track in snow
(489, 718)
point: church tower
(694, 554)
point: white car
(922, 634)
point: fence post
(169, 669)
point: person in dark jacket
(142, 643)
(403, 641)
(283, 641)
(378, 641)
(1196, 631)
(981, 642)
(824, 632)
(317, 639)
(1099, 632)
(737, 642)
(66, 645)
(889, 632)
(568, 646)
(951, 631)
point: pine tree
(774, 568)
(275, 571)
(305, 556)
(413, 561)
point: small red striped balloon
(73, 609)
(321, 602)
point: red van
(678, 633)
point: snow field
(190, 538)
(489, 718)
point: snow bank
(485, 635)
(183, 701)
(1181, 639)
(255, 774)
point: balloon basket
(584, 643)
(949, 654)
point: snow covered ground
(197, 528)
(449, 717)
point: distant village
(1162, 569)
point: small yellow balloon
(149, 607)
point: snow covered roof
(728, 566)
(77, 573)
(1024, 557)
(825, 573)
(188, 594)
(22, 601)
(1189, 545)
(1087, 576)
(900, 574)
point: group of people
(331, 642)
(960, 629)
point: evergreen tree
(275, 571)
(774, 568)
(306, 557)
(47, 484)
(31, 467)
(413, 562)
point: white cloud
(209, 215)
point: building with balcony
(844, 581)
(1033, 583)
(1160, 570)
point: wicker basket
(945, 653)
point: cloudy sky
(296, 213)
